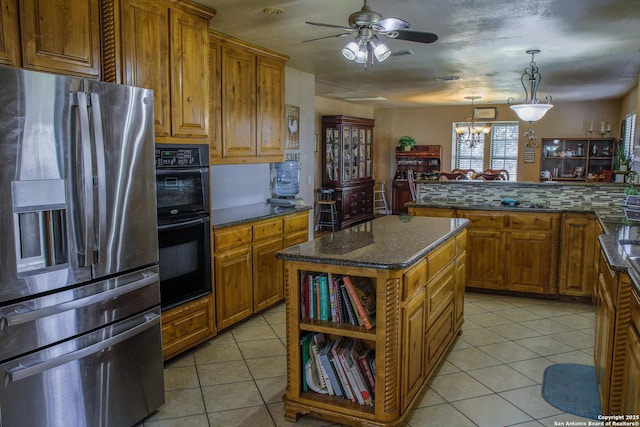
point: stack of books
(341, 367)
(339, 298)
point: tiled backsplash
(606, 199)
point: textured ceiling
(589, 48)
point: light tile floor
(491, 377)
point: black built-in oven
(184, 228)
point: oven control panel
(179, 156)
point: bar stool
(326, 213)
(380, 199)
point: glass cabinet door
(347, 163)
(332, 153)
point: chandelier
(530, 110)
(366, 46)
(471, 132)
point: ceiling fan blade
(391, 24)
(327, 37)
(416, 36)
(320, 24)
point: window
(628, 133)
(502, 149)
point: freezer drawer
(110, 377)
(35, 323)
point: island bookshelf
(418, 314)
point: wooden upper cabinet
(270, 107)
(162, 45)
(215, 103)
(9, 33)
(238, 102)
(247, 102)
(189, 75)
(145, 49)
(61, 36)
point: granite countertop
(620, 242)
(228, 217)
(388, 243)
(524, 207)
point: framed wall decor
(292, 123)
(485, 112)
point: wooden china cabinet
(575, 159)
(347, 166)
(423, 161)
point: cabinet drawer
(531, 221)
(440, 293)
(187, 325)
(295, 238)
(481, 219)
(414, 278)
(296, 222)
(268, 228)
(439, 258)
(232, 237)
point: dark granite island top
(389, 243)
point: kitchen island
(416, 267)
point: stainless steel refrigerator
(80, 338)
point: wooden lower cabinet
(631, 390)
(605, 322)
(415, 327)
(613, 319)
(248, 277)
(414, 317)
(511, 251)
(234, 287)
(187, 325)
(268, 286)
(577, 256)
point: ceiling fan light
(381, 51)
(350, 50)
(531, 112)
(362, 54)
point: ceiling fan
(368, 24)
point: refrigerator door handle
(22, 372)
(100, 170)
(13, 319)
(87, 179)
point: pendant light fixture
(471, 132)
(530, 110)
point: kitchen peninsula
(417, 267)
(535, 238)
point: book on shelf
(316, 345)
(342, 376)
(304, 349)
(338, 298)
(325, 359)
(363, 298)
(323, 296)
(366, 359)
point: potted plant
(407, 143)
(622, 160)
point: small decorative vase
(406, 148)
